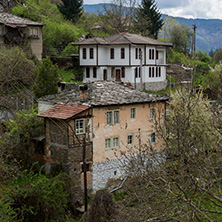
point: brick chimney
(83, 89)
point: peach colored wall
(101, 130)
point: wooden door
(105, 74)
(118, 77)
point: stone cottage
(107, 115)
(24, 33)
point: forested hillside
(209, 31)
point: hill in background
(209, 31)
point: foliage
(103, 209)
(47, 78)
(174, 57)
(34, 197)
(182, 183)
(57, 32)
(15, 143)
(148, 19)
(178, 34)
(217, 57)
(118, 16)
(72, 10)
(16, 70)
(213, 80)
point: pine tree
(148, 18)
(71, 9)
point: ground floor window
(153, 137)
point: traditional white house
(119, 58)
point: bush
(34, 197)
(47, 79)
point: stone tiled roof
(6, 18)
(122, 39)
(104, 93)
(64, 111)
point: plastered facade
(140, 125)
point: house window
(159, 71)
(133, 113)
(112, 117)
(157, 54)
(150, 72)
(116, 117)
(136, 73)
(109, 117)
(153, 137)
(123, 72)
(84, 53)
(122, 53)
(130, 139)
(115, 142)
(152, 113)
(136, 53)
(94, 72)
(34, 33)
(107, 143)
(80, 126)
(151, 54)
(91, 51)
(153, 72)
(112, 53)
(87, 72)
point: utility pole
(85, 174)
(141, 65)
(194, 39)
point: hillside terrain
(209, 31)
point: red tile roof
(63, 111)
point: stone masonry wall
(102, 172)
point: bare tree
(118, 16)
(182, 183)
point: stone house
(120, 58)
(25, 33)
(110, 115)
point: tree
(178, 34)
(47, 78)
(71, 9)
(148, 19)
(15, 70)
(217, 57)
(183, 182)
(118, 16)
(214, 81)
(15, 143)
(34, 197)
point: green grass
(66, 75)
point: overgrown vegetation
(47, 78)
(34, 197)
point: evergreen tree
(148, 18)
(71, 9)
(47, 79)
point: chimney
(83, 89)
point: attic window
(34, 33)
